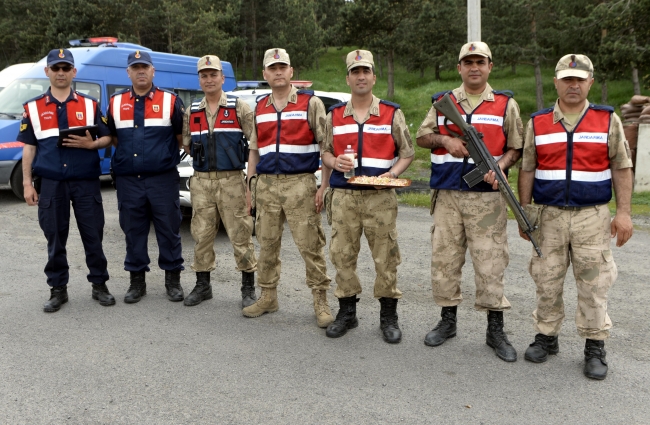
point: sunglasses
(65, 68)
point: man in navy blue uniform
(147, 123)
(68, 174)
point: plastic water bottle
(349, 152)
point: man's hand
(621, 227)
(83, 142)
(456, 147)
(523, 235)
(31, 197)
(491, 178)
(187, 150)
(318, 199)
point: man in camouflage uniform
(290, 127)
(471, 217)
(213, 133)
(377, 131)
(571, 197)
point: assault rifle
(484, 162)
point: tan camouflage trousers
(476, 220)
(221, 195)
(290, 197)
(373, 212)
(583, 238)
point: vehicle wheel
(16, 181)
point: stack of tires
(635, 112)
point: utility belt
(217, 174)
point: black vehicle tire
(16, 181)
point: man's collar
(461, 94)
(292, 98)
(558, 115)
(223, 101)
(150, 95)
(373, 110)
(50, 99)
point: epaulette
(308, 92)
(195, 106)
(386, 102)
(231, 101)
(438, 95)
(601, 107)
(541, 112)
(508, 93)
(262, 96)
(40, 96)
(120, 92)
(337, 105)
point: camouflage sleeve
(402, 135)
(619, 149)
(187, 134)
(326, 145)
(246, 119)
(429, 125)
(529, 155)
(513, 126)
(316, 118)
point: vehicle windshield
(20, 91)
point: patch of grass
(414, 199)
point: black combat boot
(595, 361)
(539, 350)
(388, 320)
(248, 296)
(58, 297)
(346, 318)
(497, 339)
(173, 285)
(202, 291)
(137, 289)
(101, 294)
(445, 329)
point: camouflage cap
(208, 62)
(475, 48)
(574, 66)
(358, 58)
(272, 56)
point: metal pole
(473, 20)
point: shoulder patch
(541, 112)
(23, 127)
(386, 102)
(601, 107)
(104, 120)
(504, 92)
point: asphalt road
(158, 362)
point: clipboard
(78, 131)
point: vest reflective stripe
(286, 143)
(573, 168)
(373, 141)
(488, 118)
(117, 114)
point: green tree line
(423, 35)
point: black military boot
(388, 320)
(173, 285)
(539, 350)
(101, 294)
(497, 339)
(445, 329)
(58, 297)
(248, 296)
(137, 289)
(202, 291)
(346, 318)
(595, 361)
